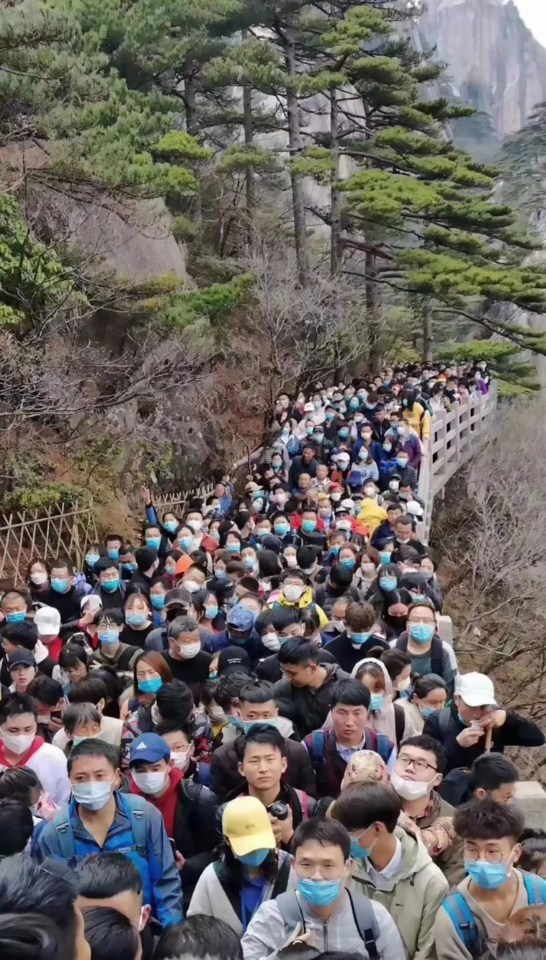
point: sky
(534, 14)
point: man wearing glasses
(417, 773)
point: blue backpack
(317, 743)
(458, 910)
(134, 806)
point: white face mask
(338, 625)
(191, 585)
(292, 592)
(271, 641)
(18, 743)
(150, 782)
(291, 561)
(38, 579)
(403, 684)
(188, 650)
(93, 795)
(409, 789)
(181, 759)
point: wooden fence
(454, 434)
(60, 530)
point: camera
(279, 810)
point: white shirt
(385, 879)
(49, 765)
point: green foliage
(515, 375)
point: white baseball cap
(476, 689)
(47, 621)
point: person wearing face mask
(82, 721)
(109, 587)
(417, 774)
(277, 626)
(295, 591)
(111, 650)
(137, 615)
(170, 524)
(428, 695)
(249, 869)
(99, 819)
(392, 865)
(429, 654)
(371, 512)
(464, 727)
(322, 908)
(186, 659)
(150, 672)
(386, 716)
(304, 694)
(357, 638)
(383, 586)
(63, 594)
(20, 746)
(474, 914)
(188, 809)
(155, 540)
(37, 577)
(240, 631)
(339, 581)
(147, 563)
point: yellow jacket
(419, 418)
(305, 601)
(372, 515)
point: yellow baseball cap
(246, 824)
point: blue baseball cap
(149, 748)
(240, 618)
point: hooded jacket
(305, 602)
(308, 707)
(391, 719)
(419, 889)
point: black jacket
(302, 806)
(325, 597)
(194, 832)
(308, 708)
(445, 726)
(68, 604)
(226, 779)
(347, 656)
(270, 669)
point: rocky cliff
(494, 62)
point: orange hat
(183, 564)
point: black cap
(21, 657)
(233, 660)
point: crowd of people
(242, 736)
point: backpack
(458, 910)
(363, 913)
(436, 652)
(318, 745)
(133, 806)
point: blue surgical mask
(309, 526)
(113, 553)
(343, 433)
(59, 584)
(153, 542)
(136, 619)
(320, 893)
(282, 529)
(185, 542)
(150, 686)
(421, 632)
(401, 462)
(91, 559)
(488, 876)
(427, 712)
(108, 637)
(16, 617)
(129, 567)
(248, 563)
(388, 583)
(158, 602)
(377, 701)
(233, 547)
(359, 638)
(349, 562)
(110, 585)
(358, 852)
(171, 526)
(330, 417)
(211, 612)
(220, 575)
(254, 859)
(384, 557)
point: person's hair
(71, 656)
(111, 616)
(159, 664)
(35, 560)
(422, 686)
(362, 804)
(395, 661)
(90, 690)
(45, 690)
(326, 832)
(257, 691)
(200, 937)
(21, 634)
(530, 947)
(422, 602)
(488, 820)
(351, 693)
(16, 826)
(114, 687)
(424, 742)
(37, 910)
(174, 701)
(228, 689)
(103, 875)
(15, 704)
(183, 624)
(104, 564)
(136, 594)
(110, 934)
(294, 572)
(338, 955)
(373, 670)
(491, 771)
(17, 783)
(297, 651)
(78, 713)
(360, 616)
(260, 733)
(282, 617)
(63, 562)
(341, 576)
(533, 849)
(93, 748)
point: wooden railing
(60, 530)
(453, 439)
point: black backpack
(436, 652)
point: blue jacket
(253, 646)
(160, 877)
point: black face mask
(396, 622)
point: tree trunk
(336, 246)
(295, 148)
(427, 335)
(192, 127)
(250, 194)
(372, 316)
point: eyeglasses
(421, 766)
